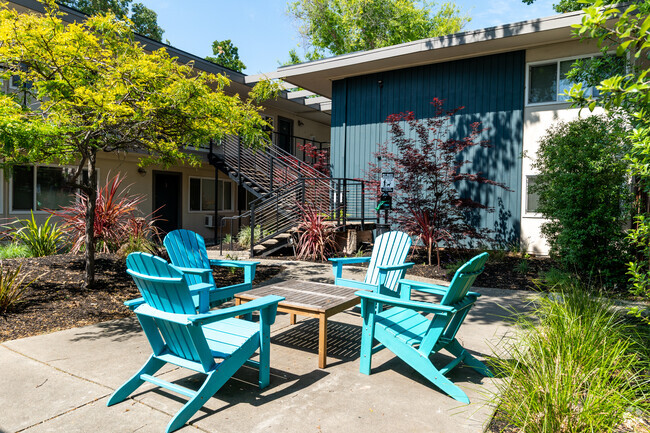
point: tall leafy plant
(627, 31)
(583, 191)
(429, 164)
(40, 239)
(12, 287)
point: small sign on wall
(387, 182)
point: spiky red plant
(316, 237)
(115, 217)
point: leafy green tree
(90, 88)
(574, 5)
(145, 20)
(583, 191)
(344, 26)
(628, 32)
(226, 55)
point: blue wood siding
(491, 88)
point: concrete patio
(60, 382)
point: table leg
(292, 318)
(322, 341)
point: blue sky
(264, 33)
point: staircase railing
(341, 201)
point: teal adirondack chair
(385, 265)
(412, 336)
(179, 335)
(187, 251)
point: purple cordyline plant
(316, 239)
(115, 217)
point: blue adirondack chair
(187, 251)
(179, 335)
(385, 265)
(412, 336)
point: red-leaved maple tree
(428, 166)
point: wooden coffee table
(307, 298)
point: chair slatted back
(164, 288)
(390, 249)
(186, 249)
(448, 326)
(464, 279)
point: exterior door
(167, 200)
(285, 134)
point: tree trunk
(90, 221)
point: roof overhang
(317, 76)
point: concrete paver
(60, 382)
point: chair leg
(265, 351)
(150, 367)
(210, 386)
(424, 366)
(214, 381)
(367, 337)
(457, 350)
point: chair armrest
(405, 303)
(337, 264)
(194, 271)
(403, 266)
(147, 310)
(349, 260)
(238, 310)
(134, 303)
(435, 289)
(233, 263)
(249, 267)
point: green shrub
(14, 250)
(451, 268)
(40, 239)
(583, 191)
(12, 287)
(244, 236)
(137, 244)
(523, 266)
(577, 365)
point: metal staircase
(283, 186)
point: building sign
(387, 182)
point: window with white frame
(202, 194)
(547, 81)
(36, 188)
(532, 198)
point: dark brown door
(167, 200)
(285, 134)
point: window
(202, 194)
(532, 198)
(547, 81)
(38, 188)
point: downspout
(345, 131)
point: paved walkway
(60, 382)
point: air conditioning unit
(208, 220)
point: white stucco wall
(537, 120)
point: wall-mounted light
(142, 171)
(300, 123)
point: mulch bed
(502, 271)
(57, 299)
